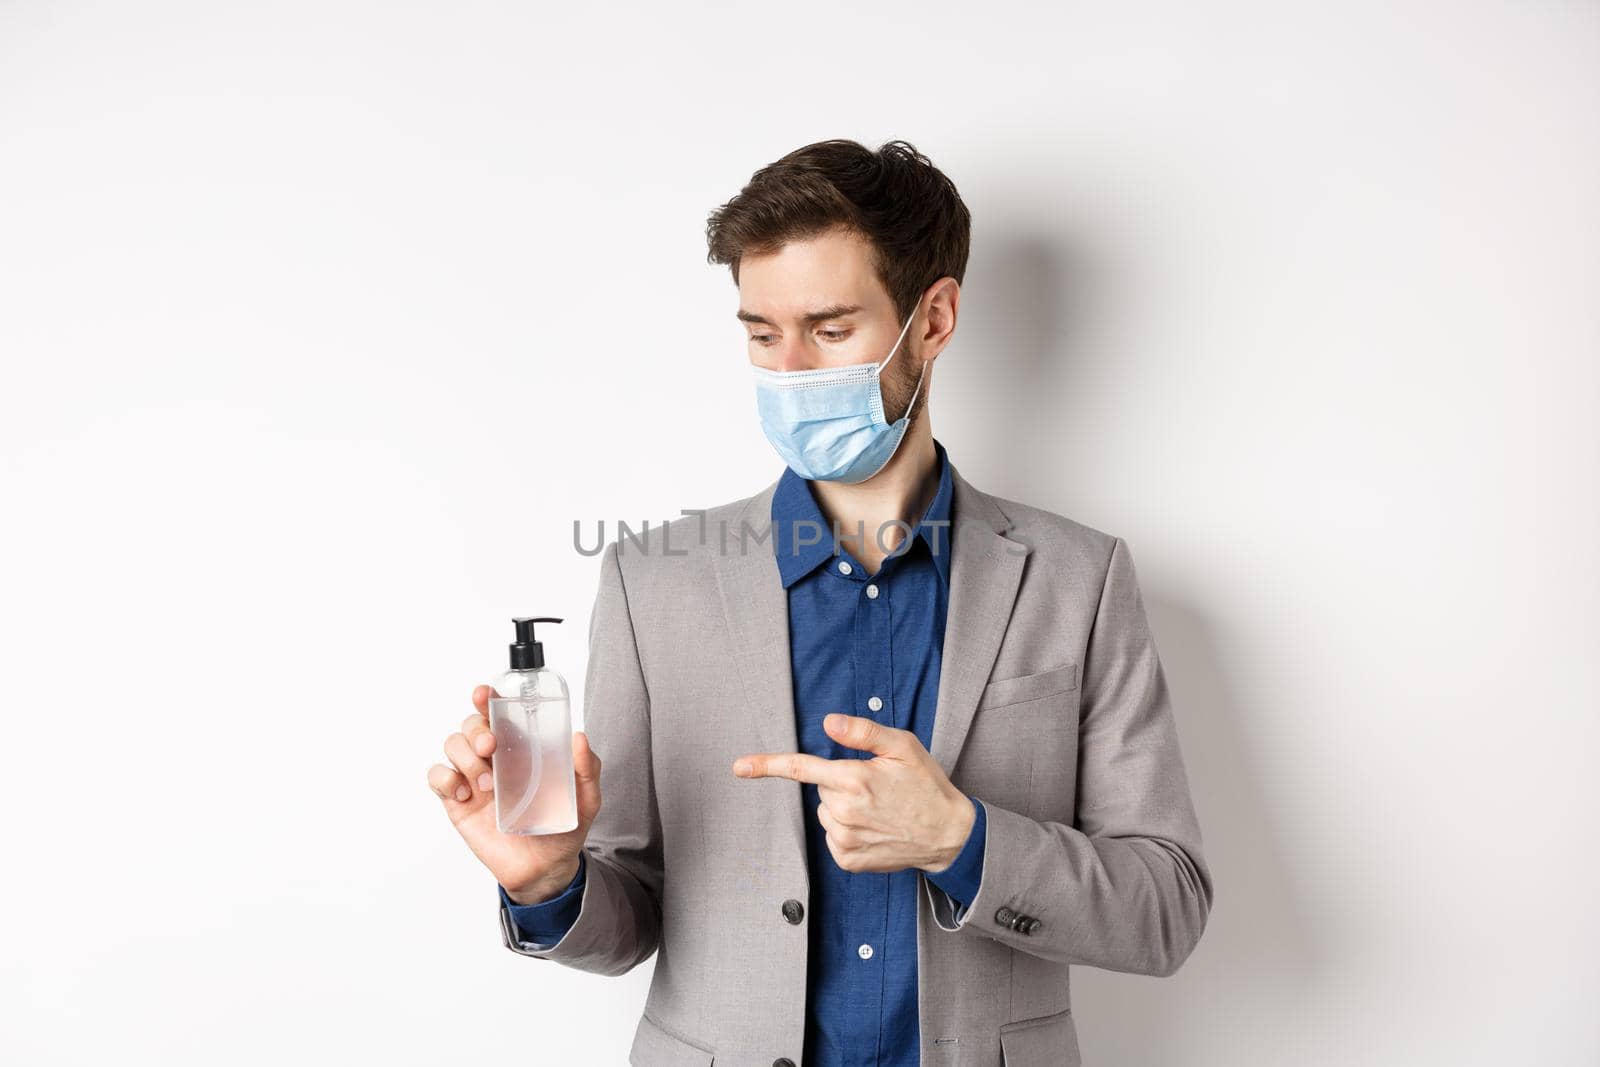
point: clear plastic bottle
(530, 715)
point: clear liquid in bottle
(530, 715)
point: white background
(321, 322)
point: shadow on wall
(1026, 310)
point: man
(884, 754)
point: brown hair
(901, 203)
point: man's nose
(793, 354)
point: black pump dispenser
(527, 654)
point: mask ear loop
(896, 349)
(897, 340)
(918, 389)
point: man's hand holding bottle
(532, 868)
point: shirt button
(844, 566)
(865, 952)
(872, 592)
(875, 704)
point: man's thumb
(586, 775)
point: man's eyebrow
(833, 311)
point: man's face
(818, 303)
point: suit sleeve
(618, 923)
(1126, 887)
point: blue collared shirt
(869, 645)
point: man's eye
(761, 338)
(834, 335)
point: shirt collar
(797, 520)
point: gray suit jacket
(1052, 709)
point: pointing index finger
(798, 766)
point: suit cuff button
(1004, 916)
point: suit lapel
(756, 607)
(985, 571)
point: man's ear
(940, 311)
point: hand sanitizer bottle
(531, 719)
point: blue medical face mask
(828, 423)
